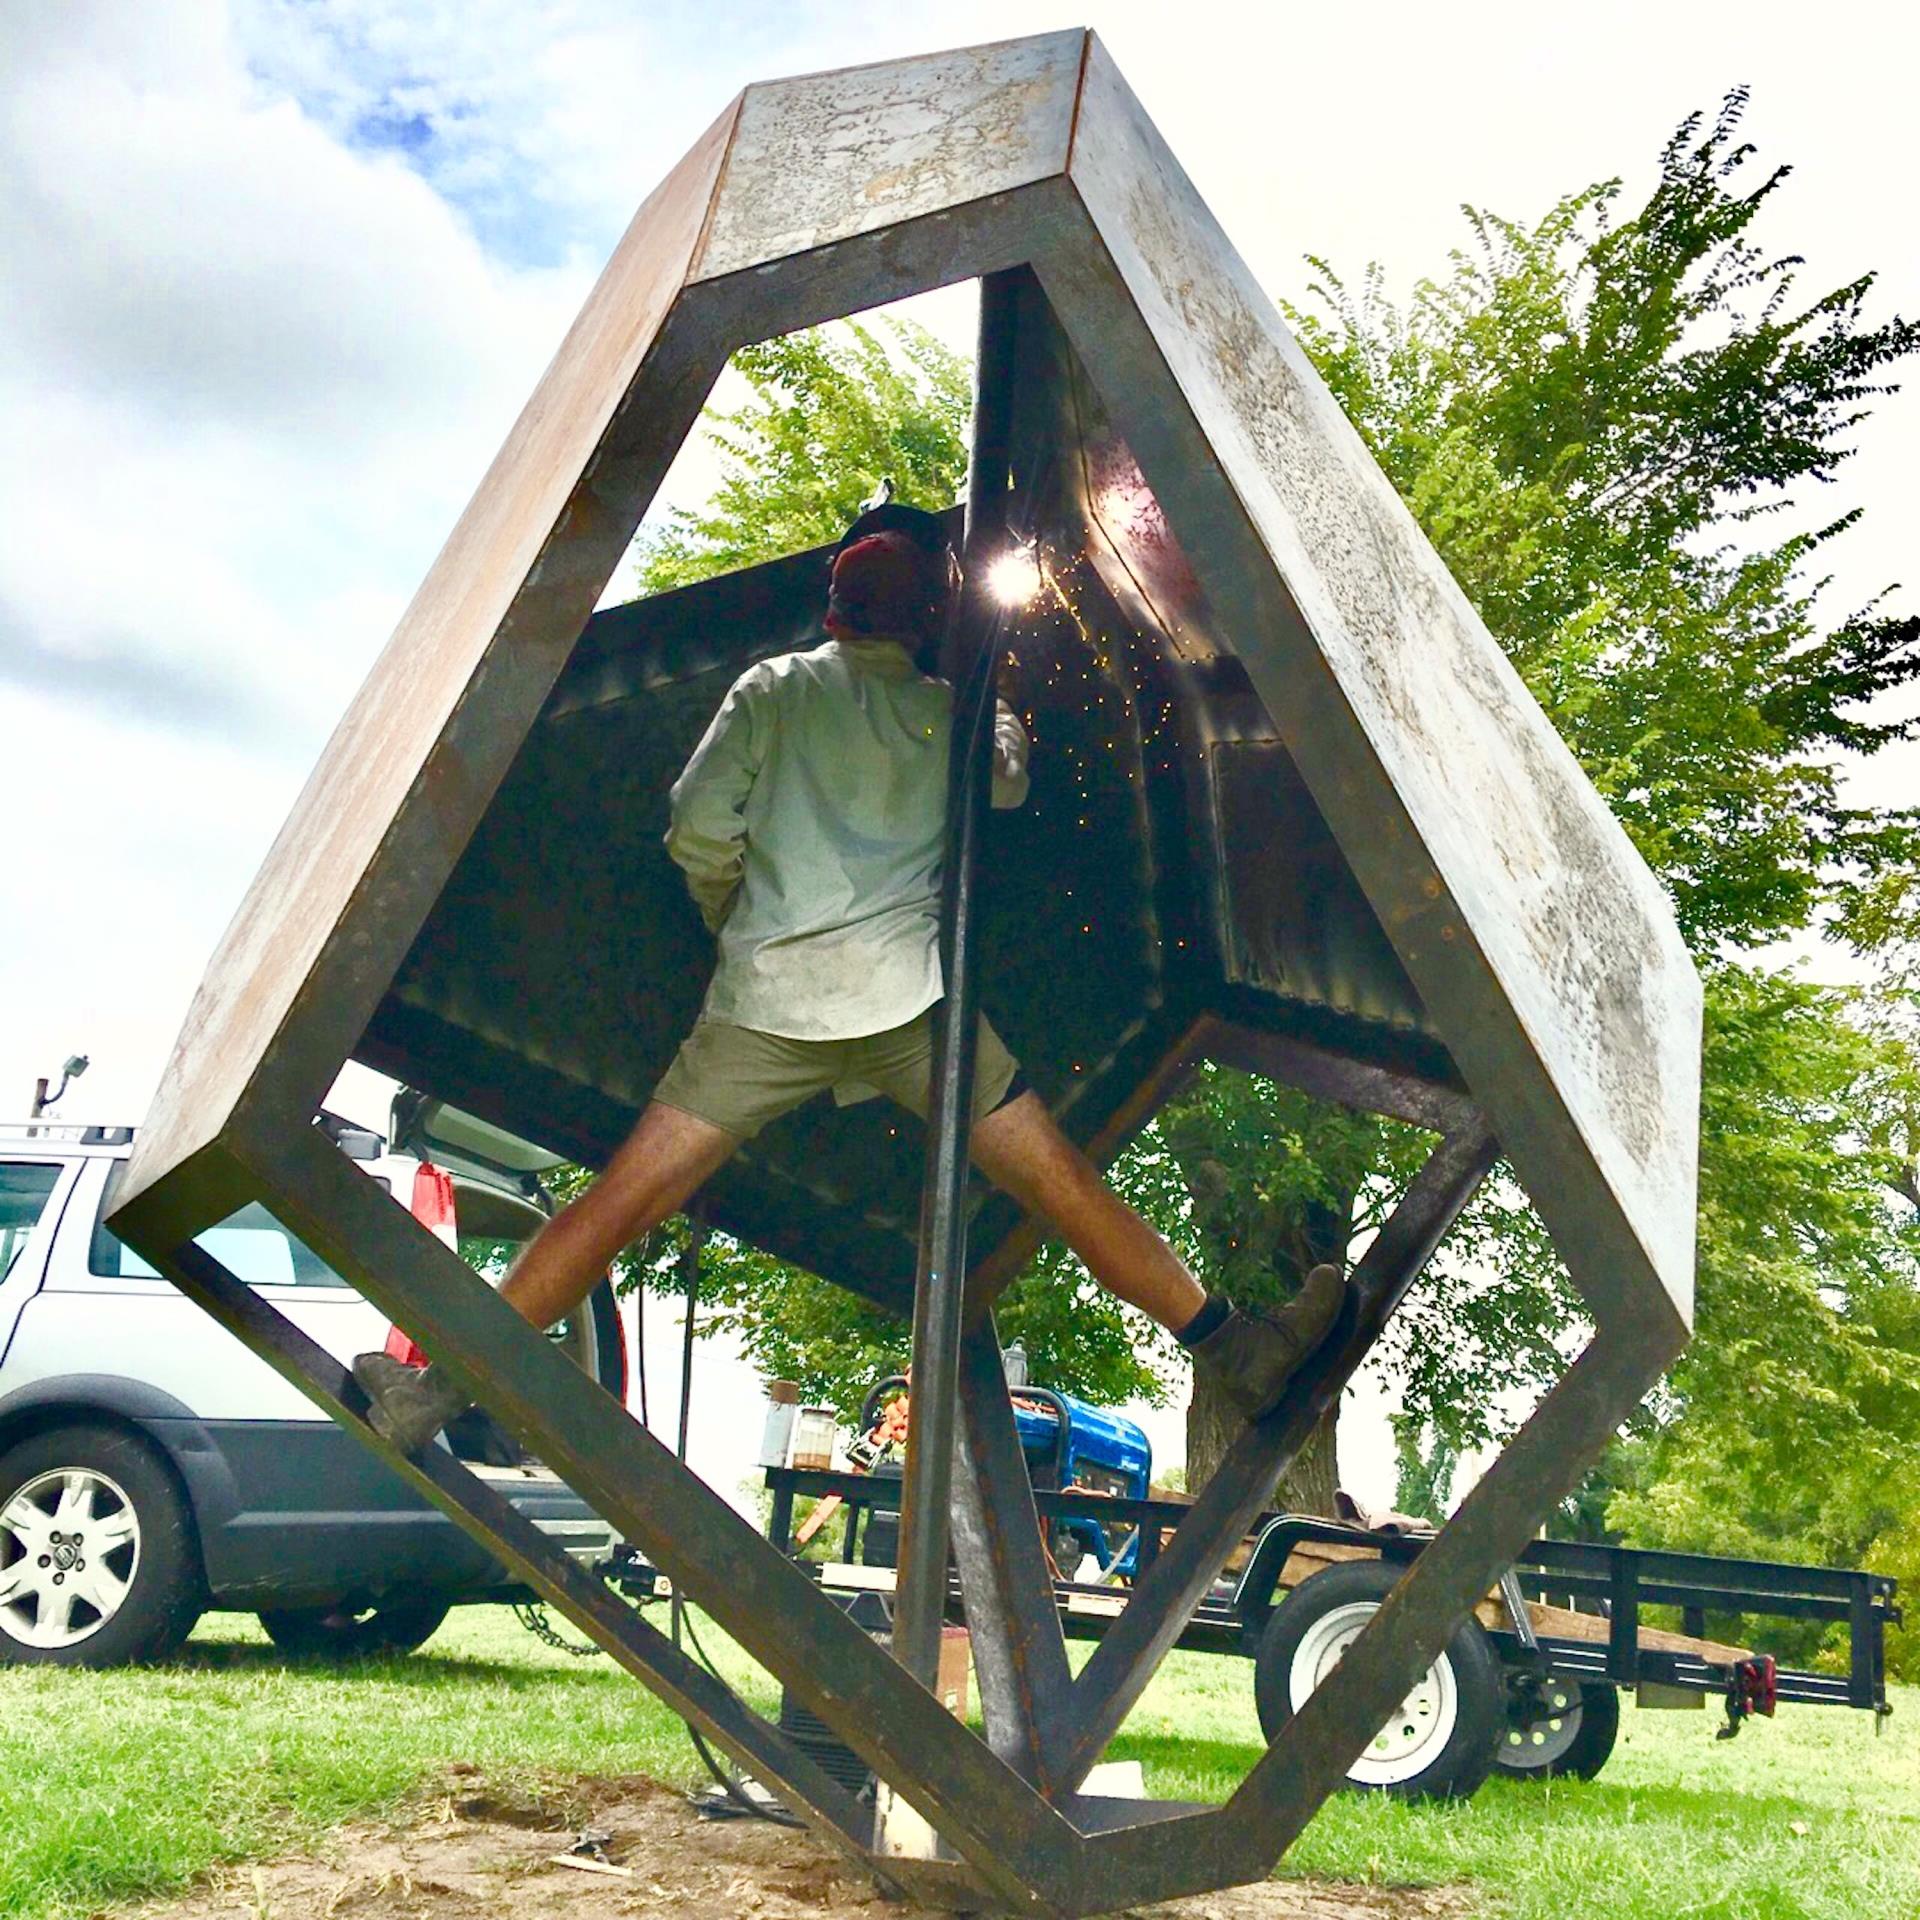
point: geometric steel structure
(1292, 808)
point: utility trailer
(1529, 1686)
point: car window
(251, 1244)
(24, 1186)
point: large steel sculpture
(1292, 810)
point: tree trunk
(1274, 1177)
(1213, 1423)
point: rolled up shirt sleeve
(1010, 749)
(707, 830)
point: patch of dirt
(480, 1852)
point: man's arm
(707, 830)
(1010, 748)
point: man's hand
(1010, 749)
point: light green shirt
(810, 824)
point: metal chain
(533, 1616)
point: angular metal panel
(334, 908)
(1542, 945)
(821, 159)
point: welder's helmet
(893, 572)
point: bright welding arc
(1014, 578)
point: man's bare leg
(1021, 1150)
(667, 1158)
(663, 1162)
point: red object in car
(432, 1206)
(620, 1332)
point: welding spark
(1014, 579)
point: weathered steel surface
(1344, 1082)
(1019, 1652)
(412, 765)
(752, 1591)
(1166, 1594)
(1291, 809)
(940, 1276)
(1539, 940)
(642, 1649)
(833, 155)
(1271, 1806)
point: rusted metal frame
(524, 656)
(926, 1493)
(1166, 1595)
(479, 1510)
(997, 1821)
(464, 769)
(1019, 1650)
(1241, 1840)
(1347, 1083)
(414, 762)
(953, 1887)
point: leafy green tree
(830, 414)
(1423, 1474)
(1595, 420)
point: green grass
(1679, 1826)
(117, 1786)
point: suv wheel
(98, 1561)
(345, 1633)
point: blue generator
(1069, 1444)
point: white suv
(151, 1466)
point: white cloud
(539, 119)
(249, 378)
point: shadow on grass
(1616, 1802)
(1212, 1769)
(1222, 1763)
(410, 1669)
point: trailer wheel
(1441, 1742)
(1562, 1731)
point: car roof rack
(72, 1133)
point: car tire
(129, 1585)
(1566, 1732)
(354, 1633)
(1441, 1742)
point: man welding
(810, 824)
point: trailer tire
(1573, 1745)
(1442, 1742)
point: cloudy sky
(275, 276)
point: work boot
(409, 1404)
(1255, 1355)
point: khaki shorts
(738, 1079)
